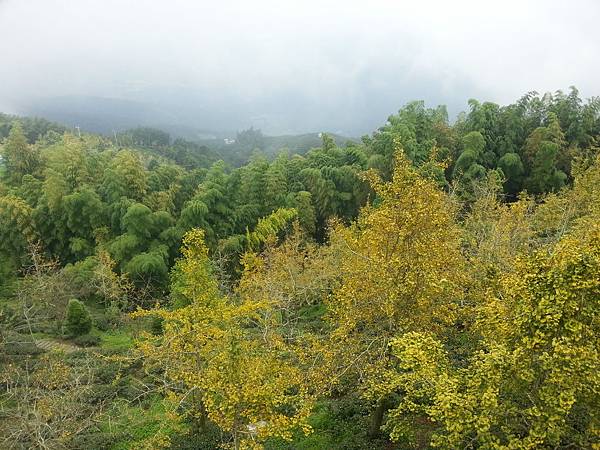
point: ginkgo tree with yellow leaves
(533, 380)
(225, 359)
(401, 270)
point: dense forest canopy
(434, 284)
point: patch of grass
(114, 339)
(136, 424)
(117, 340)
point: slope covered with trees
(434, 285)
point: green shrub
(102, 323)
(78, 320)
(196, 439)
(113, 315)
(96, 439)
(107, 372)
(101, 393)
(156, 326)
(20, 348)
(127, 389)
(87, 340)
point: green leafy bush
(198, 439)
(107, 372)
(156, 326)
(102, 393)
(97, 439)
(78, 320)
(87, 340)
(20, 349)
(102, 323)
(113, 315)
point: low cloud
(293, 66)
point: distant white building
(229, 141)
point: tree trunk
(377, 419)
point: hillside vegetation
(431, 285)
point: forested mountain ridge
(235, 149)
(433, 284)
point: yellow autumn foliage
(534, 382)
(228, 357)
(401, 269)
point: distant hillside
(301, 143)
(98, 114)
(199, 124)
(188, 143)
(239, 148)
(110, 116)
(33, 127)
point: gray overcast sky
(288, 66)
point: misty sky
(287, 66)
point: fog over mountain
(284, 67)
